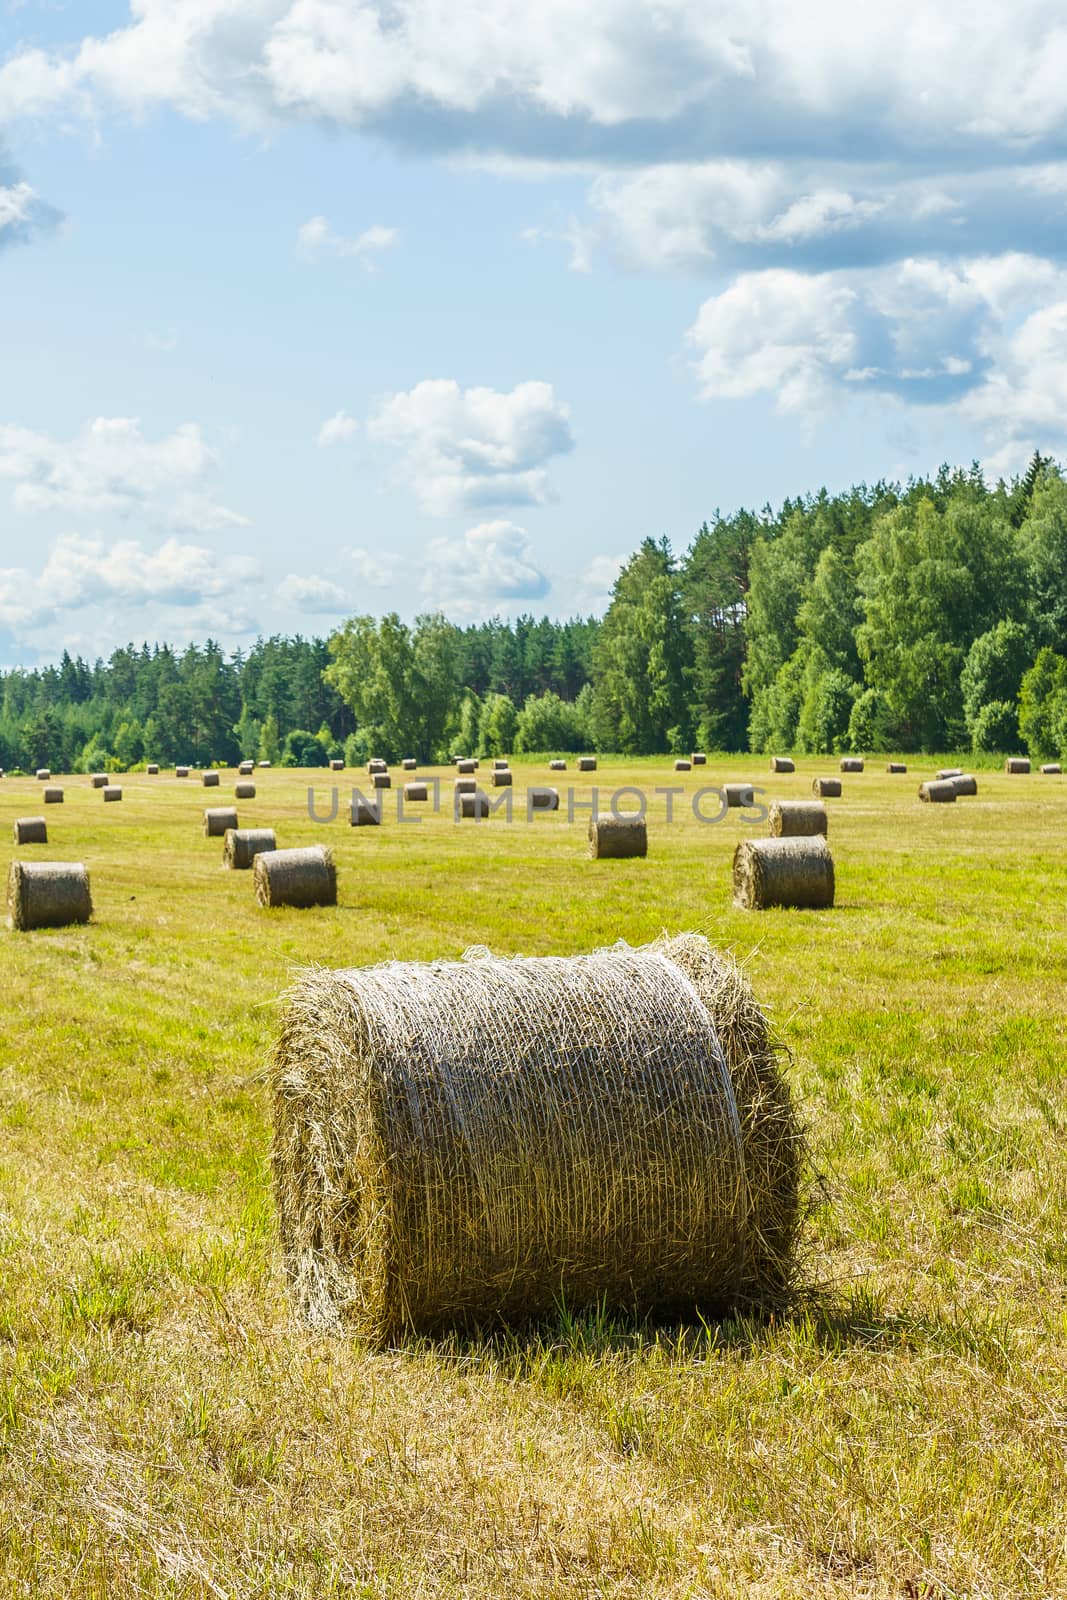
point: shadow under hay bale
(826, 788)
(242, 845)
(896, 766)
(31, 830)
(851, 763)
(364, 813)
(47, 894)
(793, 874)
(798, 818)
(472, 806)
(965, 784)
(112, 792)
(938, 791)
(53, 796)
(1017, 764)
(616, 838)
(217, 819)
(737, 794)
(474, 1141)
(244, 791)
(543, 799)
(783, 764)
(210, 780)
(302, 877)
(99, 780)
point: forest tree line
(925, 617)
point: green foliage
(826, 709)
(1043, 706)
(995, 728)
(871, 726)
(497, 726)
(992, 673)
(641, 658)
(548, 724)
(304, 749)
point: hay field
(164, 1431)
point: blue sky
(317, 306)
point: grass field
(165, 1430)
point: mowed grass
(165, 1430)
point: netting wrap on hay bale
(47, 894)
(783, 764)
(31, 830)
(302, 877)
(1017, 764)
(618, 837)
(242, 845)
(796, 818)
(965, 783)
(244, 791)
(112, 792)
(479, 1140)
(217, 819)
(793, 873)
(939, 791)
(826, 788)
(53, 796)
(851, 763)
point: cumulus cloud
(316, 240)
(110, 468)
(370, 567)
(315, 595)
(596, 581)
(469, 448)
(488, 567)
(24, 216)
(336, 429)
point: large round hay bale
(244, 791)
(682, 765)
(965, 783)
(152, 769)
(112, 792)
(474, 805)
(793, 873)
(826, 788)
(465, 786)
(31, 830)
(47, 894)
(242, 845)
(416, 791)
(478, 1141)
(896, 766)
(409, 764)
(737, 794)
(501, 778)
(939, 791)
(1017, 764)
(782, 764)
(1050, 769)
(53, 795)
(43, 774)
(543, 799)
(217, 819)
(557, 766)
(364, 813)
(587, 763)
(337, 766)
(851, 763)
(950, 772)
(699, 759)
(381, 780)
(302, 877)
(181, 772)
(245, 769)
(794, 819)
(466, 767)
(614, 837)
(210, 780)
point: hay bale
(31, 830)
(939, 791)
(737, 794)
(826, 788)
(699, 759)
(409, 764)
(543, 799)
(475, 804)
(587, 763)
(466, 786)
(617, 837)
(47, 894)
(245, 769)
(98, 780)
(466, 767)
(364, 813)
(43, 774)
(181, 772)
(1050, 769)
(376, 764)
(950, 772)
(794, 873)
(966, 783)
(851, 763)
(244, 791)
(416, 791)
(501, 778)
(303, 877)
(794, 819)
(896, 766)
(264, 763)
(210, 780)
(112, 792)
(479, 1140)
(242, 845)
(683, 766)
(1017, 764)
(152, 769)
(557, 766)
(217, 819)
(500, 764)
(782, 764)
(53, 796)
(336, 766)
(381, 780)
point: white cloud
(596, 581)
(488, 567)
(336, 429)
(305, 592)
(370, 567)
(579, 239)
(316, 239)
(471, 448)
(109, 467)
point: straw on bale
(303, 877)
(587, 763)
(43, 774)
(31, 830)
(782, 764)
(557, 766)
(409, 764)
(217, 819)
(47, 894)
(244, 791)
(416, 791)
(826, 788)
(181, 772)
(950, 772)
(466, 767)
(683, 766)
(615, 837)
(543, 799)
(1050, 769)
(965, 784)
(53, 796)
(112, 792)
(939, 791)
(242, 845)
(896, 766)
(501, 778)
(364, 813)
(699, 759)
(851, 763)
(246, 769)
(210, 780)
(737, 794)
(1017, 764)
(466, 785)
(472, 805)
(337, 766)
(476, 1141)
(795, 873)
(793, 819)
(381, 780)
(99, 780)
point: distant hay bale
(302, 877)
(1050, 769)
(737, 794)
(543, 799)
(618, 837)
(790, 873)
(47, 894)
(474, 805)
(479, 1141)
(53, 796)
(181, 772)
(381, 780)
(217, 819)
(416, 791)
(699, 759)
(826, 788)
(376, 764)
(31, 830)
(246, 769)
(242, 845)
(264, 763)
(950, 772)
(336, 766)
(966, 783)
(244, 791)
(112, 792)
(99, 780)
(939, 791)
(782, 764)
(896, 766)
(851, 763)
(683, 766)
(1017, 764)
(793, 819)
(557, 766)
(466, 766)
(210, 780)
(501, 778)
(466, 786)
(500, 764)
(43, 774)
(364, 813)
(409, 764)
(152, 769)
(587, 763)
